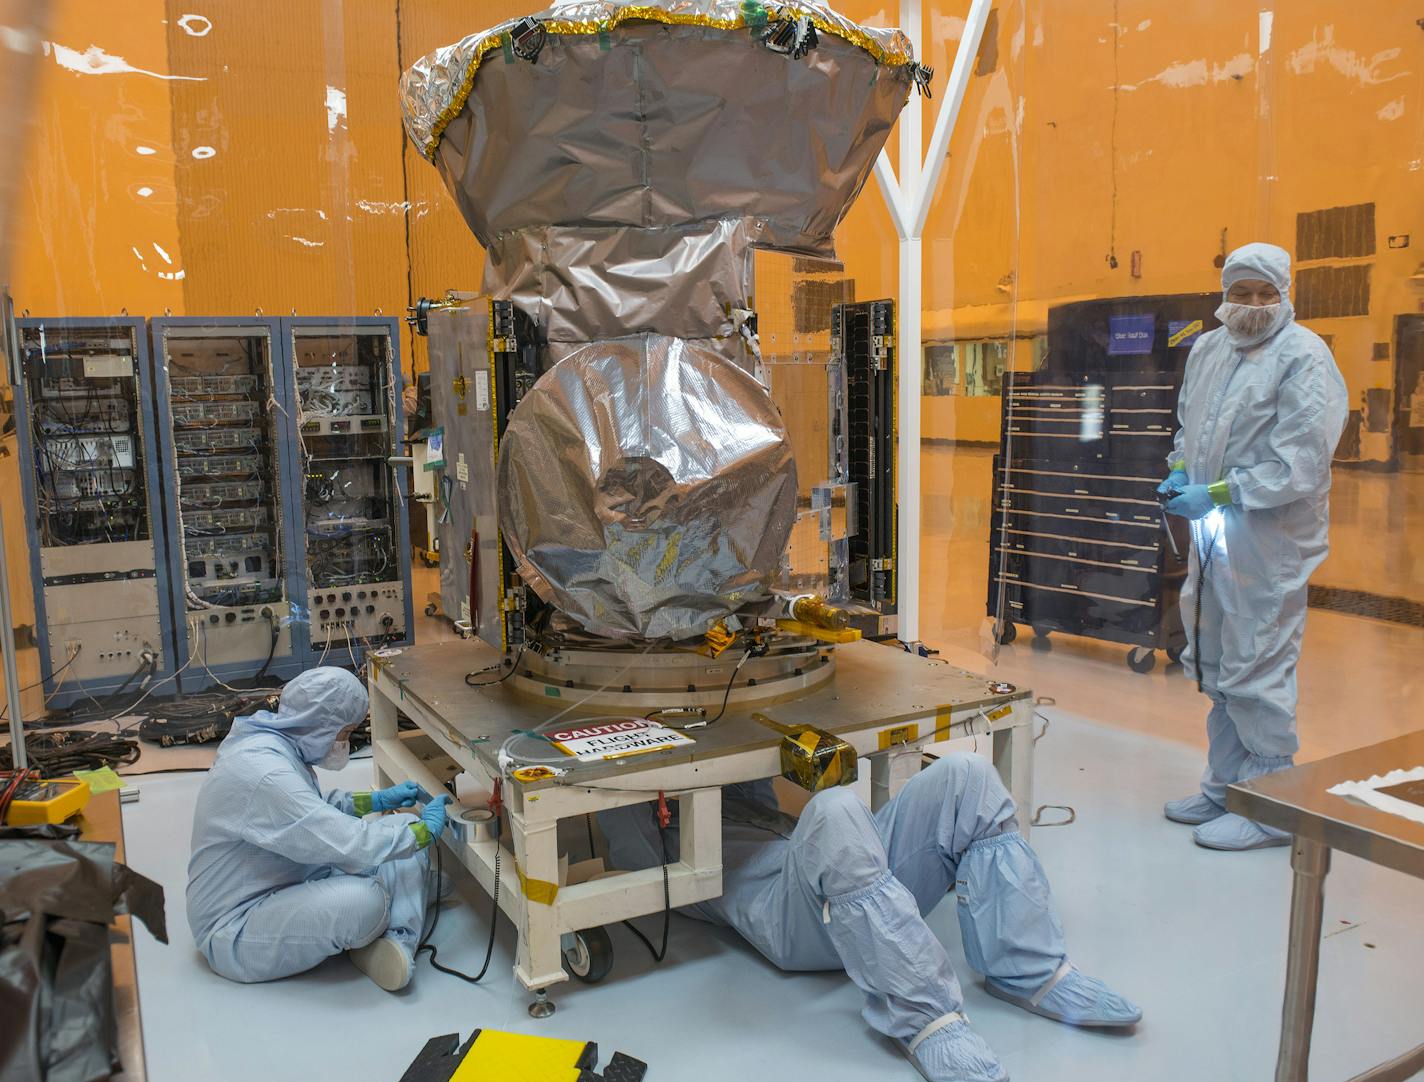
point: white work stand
(879, 698)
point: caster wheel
(1140, 659)
(1005, 632)
(430, 610)
(1174, 653)
(591, 957)
(1041, 641)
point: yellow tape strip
(943, 718)
(377, 664)
(536, 890)
(820, 634)
(771, 723)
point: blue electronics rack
(211, 500)
(94, 514)
(351, 524)
(227, 447)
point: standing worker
(282, 877)
(1261, 410)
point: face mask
(1248, 320)
(337, 757)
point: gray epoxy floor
(1197, 938)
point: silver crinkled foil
(659, 114)
(646, 487)
(619, 163)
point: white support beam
(910, 363)
(908, 360)
(912, 149)
(938, 152)
(890, 189)
(908, 200)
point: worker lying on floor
(842, 888)
(281, 876)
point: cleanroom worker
(843, 888)
(282, 876)
(1261, 409)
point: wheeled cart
(1079, 542)
(884, 702)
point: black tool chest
(1077, 542)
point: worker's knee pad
(838, 845)
(366, 910)
(834, 810)
(962, 769)
(975, 800)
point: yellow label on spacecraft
(900, 734)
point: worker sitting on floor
(842, 888)
(281, 876)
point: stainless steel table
(1297, 801)
(883, 701)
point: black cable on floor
(57, 753)
(426, 945)
(168, 770)
(658, 955)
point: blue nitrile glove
(432, 821)
(398, 796)
(1177, 479)
(1194, 502)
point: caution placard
(591, 742)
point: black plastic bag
(58, 896)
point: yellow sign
(1194, 327)
(496, 1055)
(1001, 712)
